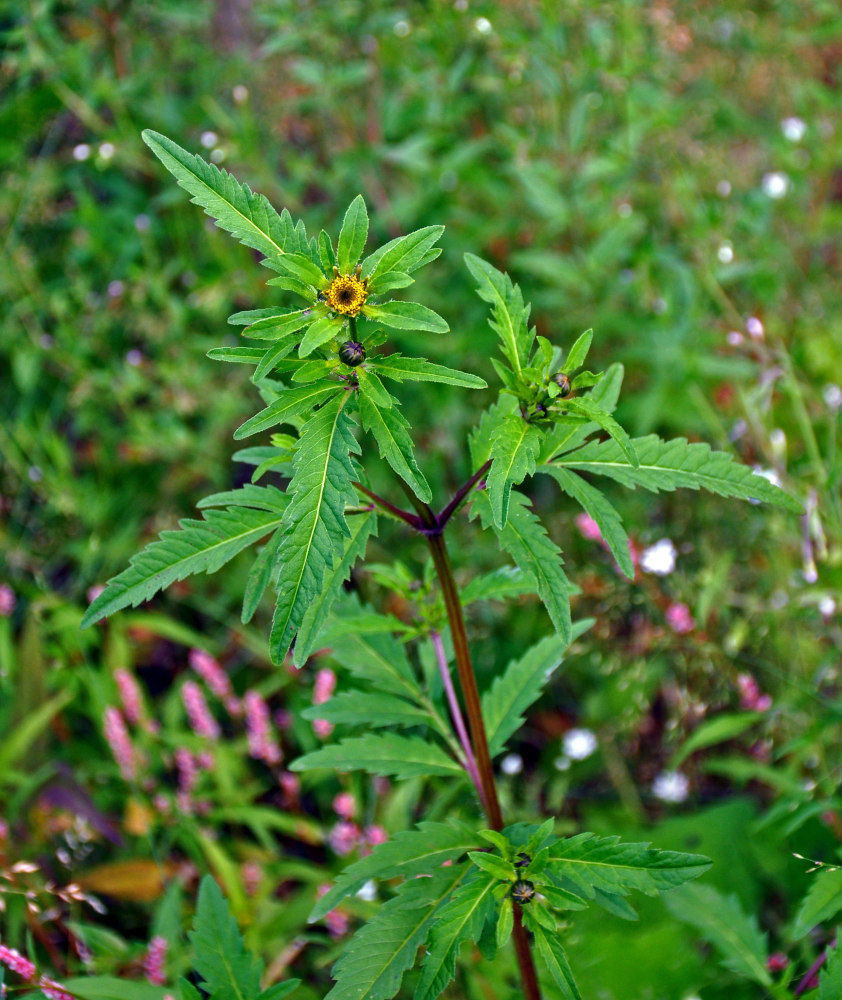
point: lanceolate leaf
(721, 921)
(584, 407)
(228, 971)
(514, 446)
(259, 576)
(385, 754)
(199, 547)
(595, 504)
(521, 684)
(290, 403)
(321, 488)
(362, 527)
(578, 352)
(260, 497)
(552, 955)
(389, 429)
(407, 316)
(591, 862)
(510, 314)
(667, 465)
(369, 709)
(499, 585)
(822, 902)
(406, 253)
(319, 333)
(526, 540)
(395, 367)
(238, 355)
(352, 236)
(459, 920)
(379, 659)
(247, 216)
(409, 853)
(276, 327)
(375, 959)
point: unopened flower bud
(522, 891)
(563, 383)
(352, 353)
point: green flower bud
(352, 353)
(563, 383)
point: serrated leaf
(499, 585)
(479, 440)
(406, 316)
(566, 436)
(326, 254)
(668, 465)
(352, 236)
(319, 333)
(830, 978)
(279, 326)
(584, 407)
(401, 369)
(111, 988)
(198, 547)
(591, 862)
(521, 684)
(228, 971)
(406, 253)
(371, 386)
(388, 281)
(247, 216)
(367, 708)
(514, 447)
(388, 427)
(290, 403)
(259, 577)
(279, 990)
(300, 288)
(379, 659)
(323, 474)
(721, 921)
(459, 920)
(383, 754)
(594, 503)
(511, 316)
(273, 359)
(259, 497)
(409, 853)
(526, 540)
(822, 902)
(554, 959)
(375, 959)
(238, 355)
(578, 352)
(301, 268)
(248, 316)
(362, 527)
(499, 868)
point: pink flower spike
(261, 739)
(211, 673)
(344, 837)
(324, 686)
(53, 990)
(12, 959)
(121, 745)
(322, 728)
(679, 618)
(7, 600)
(375, 835)
(153, 963)
(345, 805)
(588, 527)
(129, 695)
(201, 720)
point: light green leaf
(300, 267)
(830, 978)
(326, 254)
(514, 447)
(290, 403)
(595, 504)
(499, 585)
(406, 316)
(238, 355)
(273, 358)
(717, 730)
(554, 959)
(259, 577)
(375, 959)
(585, 408)
(479, 440)
(405, 855)
(406, 253)
(367, 708)
(499, 868)
(505, 922)
(379, 659)
(302, 289)
(247, 216)
(362, 527)
(578, 353)
(384, 754)
(352, 236)
(822, 902)
(371, 386)
(419, 370)
(511, 316)
(319, 333)
(260, 497)
(228, 971)
(248, 316)
(388, 281)
(667, 465)
(198, 547)
(112, 988)
(721, 921)
(277, 327)
(459, 920)
(565, 436)
(321, 488)
(389, 430)
(527, 542)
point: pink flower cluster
(154, 961)
(130, 695)
(216, 679)
(12, 959)
(323, 689)
(261, 738)
(7, 600)
(201, 720)
(337, 923)
(679, 618)
(751, 697)
(346, 836)
(118, 739)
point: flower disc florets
(346, 294)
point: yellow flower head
(346, 294)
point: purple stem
(456, 713)
(461, 493)
(809, 976)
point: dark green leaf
(384, 754)
(352, 236)
(290, 403)
(406, 316)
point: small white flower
(794, 129)
(725, 252)
(107, 150)
(827, 606)
(217, 155)
(579, 743)
(671, 786)
(209, 139)
(368, 891)
(659, 558)
(81, 152)
(240, 94)
(483, 25)
(775, 184)
(723, 189)
(832, 396)
(511, 764)
(770, 474)
(754, 327)
(401, 28)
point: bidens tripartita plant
(325, 372)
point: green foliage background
(604, 154)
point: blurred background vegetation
(669, 174)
